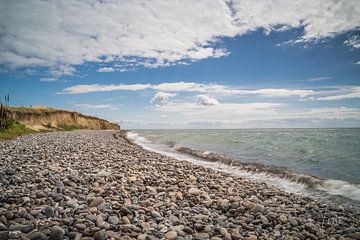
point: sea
(317, 163)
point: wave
(282, 177)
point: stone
(258, 209)
(142, 237)
(102, 173)
(223, 231)
(152, 190)
(96, 202)
(252, 237)
(264, 220)
(155, 214)
(4, 235)
(227, 236)
(126, 220)
(171, 235)
(250, 205)
(283, 218)
(80, 226)
(355, 235)
(100, 235)
(57, 233)
(10, 171)
(225, 204)
(201, 235)
(48, 212)
(37, 236)
(194, 191)
(293, 222)
(114, 220)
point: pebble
(114, 220)
(171, 235)
(194, 191)
(283, 218)
(293, 222)
(57, 233)
(126, 220)
(89, 185)
(49, 211)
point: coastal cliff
(45, 118)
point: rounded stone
(49, 212)
(80, 226)
(57, 233)
(171, 235)
(293, 222)
(283, 218)
(113, 220)
(194, 191)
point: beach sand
(99, 185)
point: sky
(185, 63)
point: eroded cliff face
(47, 119)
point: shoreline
(333, 190)
(99, 185)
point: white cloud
(96, 106)
(162, 97)
(353, 92)
(279, 92)
(62, 34)
(189, 87)
(106, 69)
(206, 101)
(104, 88)
(357, 62)
(353, 41)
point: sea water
(311, 161)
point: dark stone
(125, 211)
(100, 235)
(21, 228)
(10, 171)
(4, 235)
(57, 233)
(37, 236)
(49, 212)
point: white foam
(296, 188)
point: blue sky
(209, 64)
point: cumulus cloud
(206, 101)
(162, 97)
(127, 34)
(353, 41)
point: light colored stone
(171, 235)
(194, 191)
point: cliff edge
(45, 118)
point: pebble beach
(99, 185)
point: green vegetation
(5, 118)
(64, 127)
(16, 129)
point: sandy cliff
(44, 118)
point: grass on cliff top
(35, 109)
(16, 129)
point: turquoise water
(327, 154)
